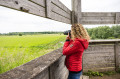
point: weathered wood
(98, 14)
(117, 18)
(58, 69)
(57, 17)
(97, 22)
(100, 17)
(25, 6)
(92, 18)
(39, 2)
(100, 65)
(60, 11)
(57, 11)
(116, 55)
(52, 9)
(61, 6)
(100, 69)
(44, 75)
(76, 11)
(48, 8)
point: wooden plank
(116, 55)
(57, 17)
(60, 11)
(100, 49)
(91, 18)
(57, 11)
(58, 69)
(97, 22)
(61, 6)
(25, 6)
(101, 69)
(76, 11)
(99, 65)
(117, 18)
(39, 2)
(98, 14)
(48, 8)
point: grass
(17, 50)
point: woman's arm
(69, 49)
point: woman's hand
(68, 37)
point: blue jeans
(73, 75)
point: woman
(73, 49)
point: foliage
(17, 50)
(104, 32)
(109, 73)
(20, 34)
(118, 70)
(92, 73)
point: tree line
(101, 32)
(30, 33)
(104, 32)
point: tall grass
(17, 50)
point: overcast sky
(16, 21)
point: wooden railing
(101, 55)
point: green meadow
(17, 50)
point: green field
(17, 50)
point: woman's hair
(78, 31)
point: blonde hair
(78, 31)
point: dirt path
(116, 76)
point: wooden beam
(57, 11)
(100, 18)
(117, 18)
(116, 49)
(52, 9)
(25, 6)
(76, 11)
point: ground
(116, 76)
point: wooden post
(117, 18)
(76, 11)
(116, 49)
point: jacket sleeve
(69, 49)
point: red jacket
(74, 51)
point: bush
(111, 38)
(91, 73)
(20, 34)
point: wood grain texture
(97, 22)
(76, 11)
(58, 69)
(100, 18)
(101, 69)
(117, 18)
(98, 14)
(58, 12)
(116, 55)
(39, 2)
(25, 6)
(61, 6)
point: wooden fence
(55, 10)
(101, 55)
